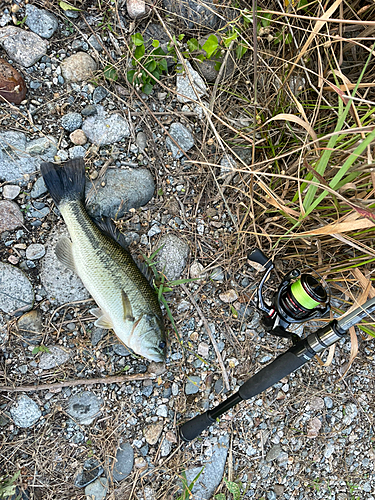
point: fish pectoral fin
(128, 313)
(104, 322)
(63, 251)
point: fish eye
(161, 344)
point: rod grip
(282, 366)
(192, 428)
(258, 256)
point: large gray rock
(19, 157)
(11, 216)
(61, 284)
(172, 257)
(24, 47)
(55, 357)
(213, 471)
(123, 462)
(104, 129)
(16, 291)
(124, 189)
(84, 407)
(25, 413)
(41, 22)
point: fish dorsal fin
(63, 251)
(128, 312)
(145, 270)
(102, 321)
(108, 227)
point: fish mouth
(158, 357)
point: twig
(208, 330)
(73, 383)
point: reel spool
(300, 297)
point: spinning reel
(300, 297)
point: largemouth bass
(126, 301)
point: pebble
(152, 432)
(273, 453)
(317, 403)
(203, 349)
(78, 137)
(218, 274)
(96, 42)
(89, 110)
(30, 327)
(71, 121)
(12, 85)
(141, 141)
(61, 284)
(16, 290)
(212, 473)
(136, 8)
(25, 413)
(228, 165)
(77, 152)
(313, 427)
(84, 407)
(91, 470)
(185, 90)
(99, 94)
(228, 297)
(182, 136)
(121, 350)
(55, 357)
(165, 448)
(23, 47)
(103, 129)
(124, 189)
(78, 67)
(124, 462)
(41, 22)
(328, 402)
(97, 490)
(192, 384)
(11, 191)
(11, 216)
(35, 251)
(173, 256)
(162, 411)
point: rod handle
(192, 428)
(258, 256)
(282, 366)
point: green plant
(7, 486)
(40, 348)
(186, 495)
(148, 64)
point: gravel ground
(308, 437)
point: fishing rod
(300, 297)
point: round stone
(78, 67)
(71, 121)
(11, 191)
(152, 432)
(10, 216)
(35, 251)
(25, 413)
(78, 137)
(84, 407)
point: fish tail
(65, 181)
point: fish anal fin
(63, 251)
(128, 313)
(96, 311)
